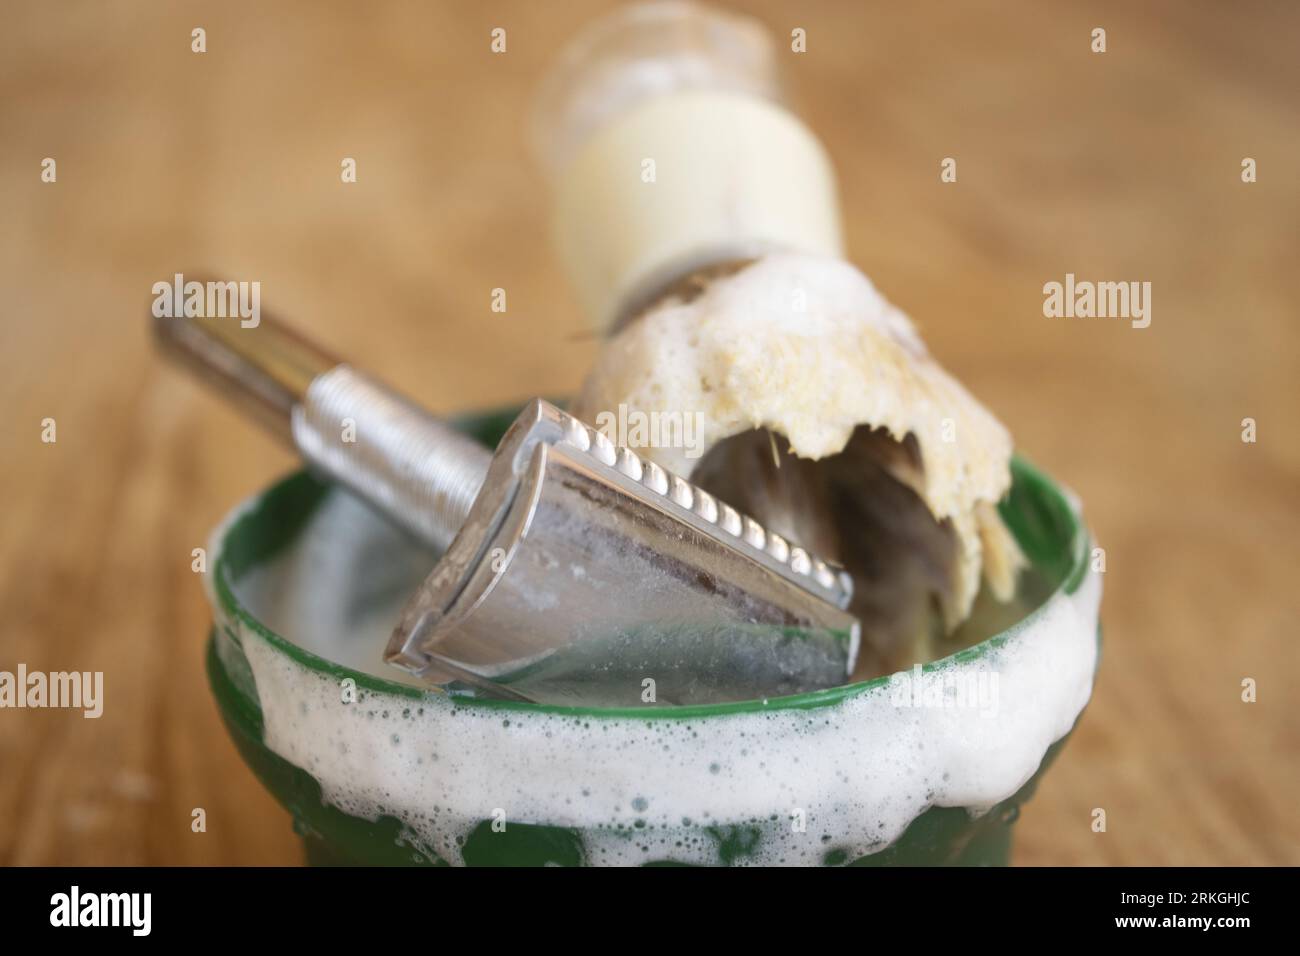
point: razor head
(587, 575)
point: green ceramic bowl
(377, 771)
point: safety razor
(572, 570)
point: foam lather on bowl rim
(302, 605)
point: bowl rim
(1065, 507)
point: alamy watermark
(133, 911)
(1102, 300)
(951, 688)
(632, 428)
(208, 300)
(76, 690)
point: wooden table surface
(1122, 166)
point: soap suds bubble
(704, 789)
(856, 768)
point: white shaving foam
(858, 772)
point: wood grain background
(1122, 166)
